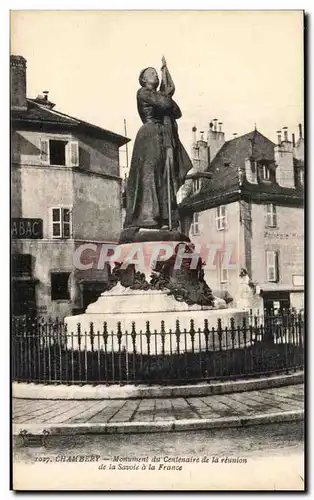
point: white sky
(242, 67)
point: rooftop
(227, 184)
(41, 114)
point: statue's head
(149, 78)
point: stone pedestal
(149, 289)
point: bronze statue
(159, 161)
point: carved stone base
(162, 292)
(134, 308)
(181, 278)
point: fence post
(90, 356)
(219, 333)
(206, 334)
(119, 337)
(133, 337)
(162, 335)
(192, 334)
(79, 340)
(105, 336)
(269, 329)
(148, 334)
(177, 333)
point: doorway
(276, 302)
(24, 298)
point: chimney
(202, 135)
(235, 135)
(284, 153)
(299, 146)
(46, 92)
(215, 139)
(293, 140)
(194, 129)
(18, 82)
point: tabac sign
(22, 228)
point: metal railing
(43, 351)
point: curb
(159, 426)
(22, 390)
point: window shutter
(195, 228)
(219, 217)
(66, 223)
(272, 266)
(44, 150)
(277, 266)
(224, 211)
(271, 215)
(222, 268)
(269, 266)
(74, 153)
(267, 214)
(264, 172)
(56, 222)
(274, 216)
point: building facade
(65, 192)
(248, 209)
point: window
(195, 224)
(59, 152)
(61, 222)
(221, 218)
(196, 185)
(271, 215)
(264, 173)
(60, 286)
(223, 269)
(22, 265)
(272, 265)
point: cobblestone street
(284, 399)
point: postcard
(157, 250)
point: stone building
(65, 192)
(244, 199)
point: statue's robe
(147, 192)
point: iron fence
(43, 351)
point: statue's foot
(164, 227)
